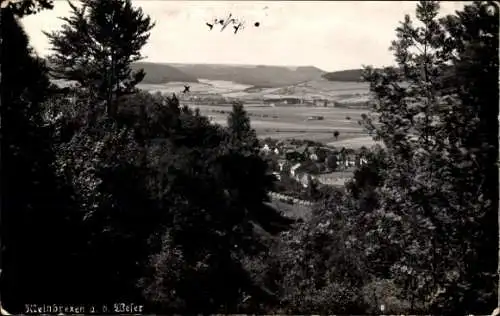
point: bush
(384, 292)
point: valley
(312, 110)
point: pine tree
(97, 45)
(432, 201)
(474, 44)
(239, 127)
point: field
(292, 122)
(355, 143)
(346, 92)
(286, 121)
(203, 86)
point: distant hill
(260, 76)
(161, 73)
(344, 75)
(355, 74)
(157, 73)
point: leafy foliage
(26, 7)
(35, 209)
(432, 200)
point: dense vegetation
(111, 194)
(355, 75)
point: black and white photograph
(165, 157)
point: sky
(331, 35)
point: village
(308, 163)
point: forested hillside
(157, 73)
(356, 75)
(345, 75)
(255, 75)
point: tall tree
(213, 196)
(97, 45)
(34, 212)
(239, 127)
(433, 202)
(474, 47)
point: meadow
(286, 122)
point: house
(301, 175)
(303, 149)
(308, 152)
(304, 179)
(277, 99)
(323, 102)
(265, 149)
(316, 118)
(294, 169)
(349, 163)
(281, 164)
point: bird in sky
(228, 21)
(237, 27)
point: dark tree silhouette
(240, 129)
(97, 46)
(27, 7)
(453, 123)
(36, 210)
(336, 134)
